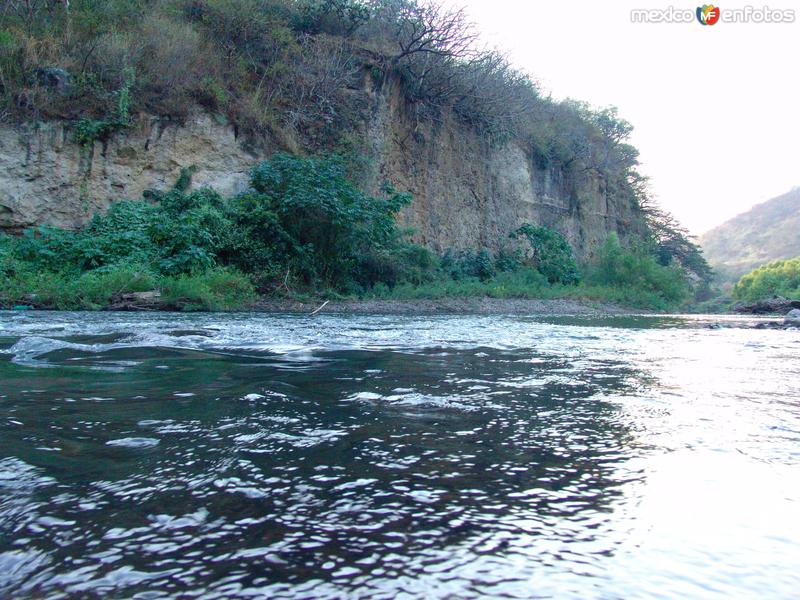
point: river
(275, 456)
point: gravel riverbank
(560, 306)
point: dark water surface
(263, 456)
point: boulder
(793, 316)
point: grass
(214, 289)
(225, 289)
(524, 283)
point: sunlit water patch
(274, 456)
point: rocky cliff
(468, 190)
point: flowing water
(273, 456)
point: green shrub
(14, 274)
(180, 235)
(549, 253)
(331, 234)
(777, 278)
(5, 251)
(639, 274)
(88, 131)
(468, 263)
(47, 248)
(121, 234)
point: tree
(427, 28)
(777, 278)
(673, 243)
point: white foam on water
(134, 442)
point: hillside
(769, 231)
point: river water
(274, 456)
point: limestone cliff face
(45, 178)
(468, 191)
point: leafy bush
(777, 278)
(468, 263)
(549, 253)
(638, 272)
(306, 213)
(169, 242)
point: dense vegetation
(276, 64)
(268, 64)
(293, 70)
(302, 228)
(778, 278)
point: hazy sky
(716, 108)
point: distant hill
(768, 231)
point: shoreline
(145, 302)
(430, 306)
(533, 307)
(469, 305)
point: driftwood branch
(324, 304)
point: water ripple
(211, 456)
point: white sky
(716, 109)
